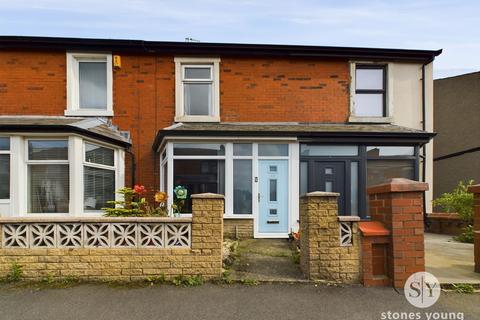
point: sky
(453, 26)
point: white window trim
(98, 166)
(29, 162)
(388, 118)
(9, 152)
(73, 107)
(293, 168)
(180, 63)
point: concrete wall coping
(348, 218)
(4, 220)
(398, 185)
(320, 194)
(474, 188)
(207, 196)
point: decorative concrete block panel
(107, 248)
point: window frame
(29, 162)
(181, 63)
(73, 84)
(387, 108)
(9, 152)
(85, 163)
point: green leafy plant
(464, 288)
(459, 201)
(156, 279)
(296, 256)
(466, 236)
(134, 204)
(48, 279)
(249, 282)
(188, 281)
(15, 274)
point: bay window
(48, 176)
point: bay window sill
(197, 119)
(357, 119)
(89, 113)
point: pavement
(449, 260)
(265, 260)
(210, 301)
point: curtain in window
(93, 85)
(48, 188)
(99, 188)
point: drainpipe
(424, 149)
(134, 165)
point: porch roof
(305, 132)
(97, 128)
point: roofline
(206, 48)
(420, 138)
(63, 129)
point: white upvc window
(89, 84)
(197, 89)
(4, 169)
(370, 99)
(48, 176)
(99, 171)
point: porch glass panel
(198, 176)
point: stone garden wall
(117, 248)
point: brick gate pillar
(329, 244)
(398, 204)
(476, 224)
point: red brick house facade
(337, 111)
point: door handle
(258, 195)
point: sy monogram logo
(422, 289)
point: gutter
(206, 48)
(63, 129)
(399, 138)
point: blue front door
(273, 196)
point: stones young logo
(422, 289)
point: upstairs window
(370, 91)
(89, 84)
(197, 89)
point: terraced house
(260, 124)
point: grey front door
(330, 177)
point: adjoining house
(261, 124)
(456, 120)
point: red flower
(138, 188)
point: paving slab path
(266, 260)
(449, 260)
